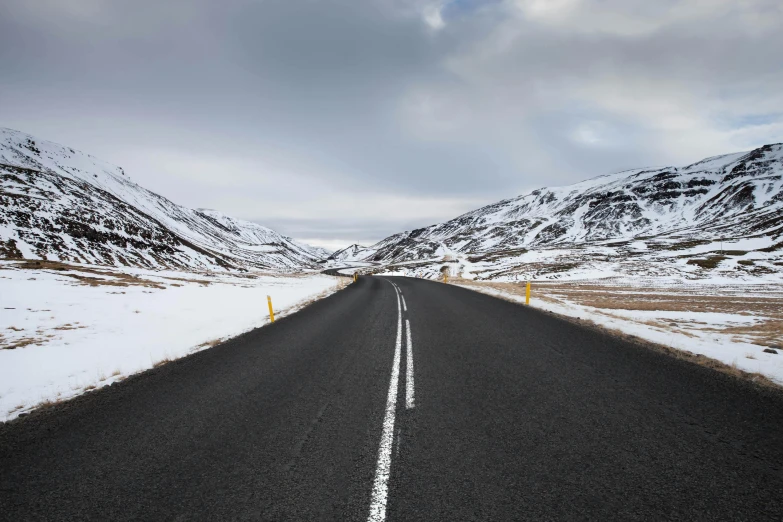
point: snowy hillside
(57, 203)
(736, 199)
(350, 254)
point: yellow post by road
(527, 293)
(271, 312)
(355, 277)
(445, 278)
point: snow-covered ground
(705, 262)
(733, 325)
(65, 329)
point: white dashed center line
(409, 401)
(380, 487)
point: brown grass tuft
(21, 343)
(163, 361)
(48, 403)
(69, 326)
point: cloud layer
(338, 121)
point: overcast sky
(341, 121)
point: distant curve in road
(405, 399)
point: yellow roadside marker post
(445, 278)
(527, 293)
(355, 277)
(271, 312)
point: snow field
(71, 336)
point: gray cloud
(348, 120)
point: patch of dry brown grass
(202, 282)
(108, 277)
(768, 332)
(210, 344)
(40, 336)
(69, 326)
(48, 403)
(161, 362)
(20, 343)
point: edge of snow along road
(161, 319)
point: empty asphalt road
(403, 399)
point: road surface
(402, 399)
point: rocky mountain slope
(350, 254)
(57, 203)
(662, 211)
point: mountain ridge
(62, 204)
(727, 197)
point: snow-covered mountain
(724, 198)
(57, 203)
(350, 254)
